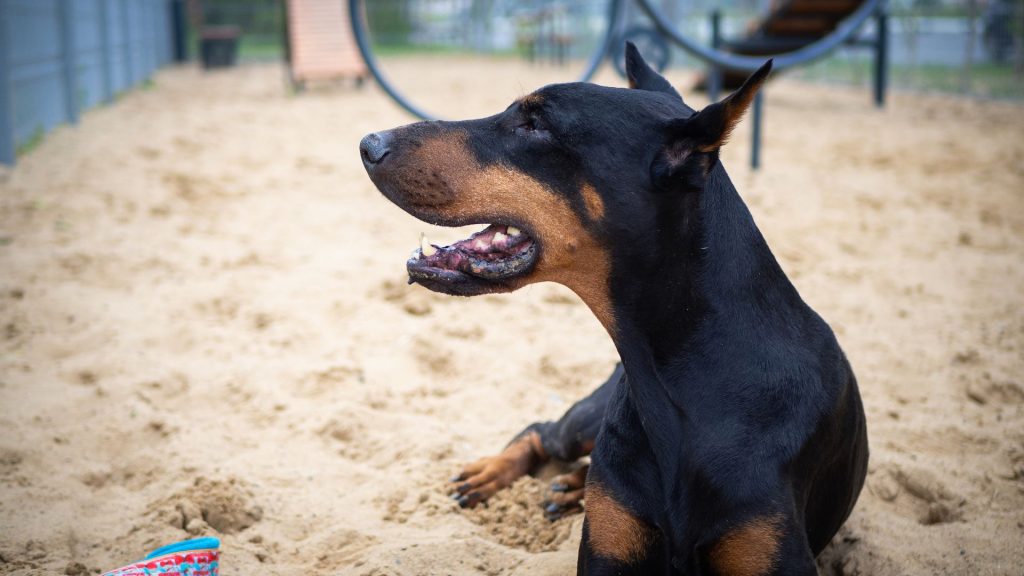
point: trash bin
(218, 46)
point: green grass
(260, 48)
(30, 143)
(986, 80)
(383, 50)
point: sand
(205, 329)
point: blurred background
(206, 327)
(965, 46)
(63, 56)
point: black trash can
(218, 46)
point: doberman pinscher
(732, 438)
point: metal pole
(715, 72)
(286, 44)
(881, 55)
(755, 144)
(65, 11)
(7, 149)
(180, 31)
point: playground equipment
(320, 44)
(795, 33)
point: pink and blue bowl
(197, 557)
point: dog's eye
(526, 127)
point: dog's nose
(374, 147)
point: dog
(732, 439)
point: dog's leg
(615, 540)
(572, 436)
(568, 439)
(480, 480)
(766, 545)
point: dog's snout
(374, 147)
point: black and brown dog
(732, 438)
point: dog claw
(558, 487)
(552, 508)
(553, 516)
(455, 495)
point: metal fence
(60, 57)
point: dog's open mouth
(493, 255)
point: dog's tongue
(496, 252)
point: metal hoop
(723, 60)
(355, 13)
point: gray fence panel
(90, 72)
(165, 33)
(166, 30)
(144, 34)
(136, 41)
(117, 47)
(36, 71)
(58, 57)
(157, 19)
(6, 122)
(154, 36)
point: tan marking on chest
(752, 549)
(613, 531)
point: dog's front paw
(482, 479)
(565, 496)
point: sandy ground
(205, 329)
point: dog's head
(569, 179)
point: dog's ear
(692, 144)
(641, 76)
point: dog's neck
(715, 280)
(714, 268)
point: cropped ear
(641, 76)
(692, 144)
(710, 128)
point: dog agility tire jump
(820, 48)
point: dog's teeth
(499, 238)
(425, 247)
(513, 231)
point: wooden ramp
(789, 25)
(321, 45)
